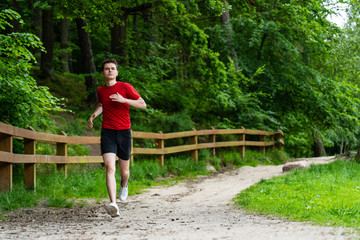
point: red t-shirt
(116, 115)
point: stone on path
(295, 165)
(210, 168)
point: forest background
(258, 64)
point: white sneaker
(123, 193)
(113, 209)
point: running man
(114, 100)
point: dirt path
(194, 209)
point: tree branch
(251, 3)
(139, 8)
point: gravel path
(194, 209)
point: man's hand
(118, 98)
(90, 121)
(97, 112)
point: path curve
(194, 209)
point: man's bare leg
(124, 171)
(125, 174)
(110, 160)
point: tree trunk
(261, 46)
(318, 146)
(87, 60)
(225, 20)
(319, 149)
(147, 16)
(14, 22)
(342, 147)
(118, 33)
(47, 57)
(64, 40)
(225, 17)
(36, 26)
(357, 156)
(118, 40)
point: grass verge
(323, 194)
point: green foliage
(19, 197)
(146, 170)
(62, 191)
(206, 156)
(77, 150)
(21, 100)
(324, 194)
(273, 65)
(231, 159)
(185, 167)
(45, 149)
(298, 144)
(254, 158)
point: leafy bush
(21, 99)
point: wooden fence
(31, 137)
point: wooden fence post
(6, 169)
(242, 147)
(30, 168)
(61, 150)
(160, 144)
(194, 153)
(279, 139)
(271, 139)
(213, 140)
(262, 139)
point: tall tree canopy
(224, 63)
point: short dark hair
(109, 60)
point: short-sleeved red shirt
(116, 115)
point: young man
(114, 99)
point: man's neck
(110, 83)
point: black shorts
(116, 141)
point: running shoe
(123, 193)
(113, 209)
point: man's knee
(110, 168)
(125, 172)
(109, 161)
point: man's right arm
(97, 112)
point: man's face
(110, 71)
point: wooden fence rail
(31, 137)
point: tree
(21, 100)
(87, 59)
(292, 42)
(47, 56)
(64, 45)
(266, 65)
(225, 20)
(119, 30)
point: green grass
(88, 181)
(323, 194)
